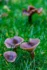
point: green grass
(16, 24)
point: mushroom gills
(10, 57)
(31, 44)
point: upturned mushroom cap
(18, 39)
(31, 10)
(31, 45)
(13, 42)
(26, 12)
(39, 10)
(10, 56)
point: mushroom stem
(32, 54)
(30, 18)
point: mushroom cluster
(16, 41)
(30, 11)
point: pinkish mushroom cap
(26, 12)
(13, 42)
(31, 45)
(39, 10)
(10, 56)
(31, 10)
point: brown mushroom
(10, 56)
(3, 15)
(31, 10)
(30, 46)
(13, 42)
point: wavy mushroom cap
(39, 10)
(32, 44)
(26, 12)
(35, 41)
(18, 39)
(31, 10)
(9, 43)
(10, 56)
(13, 42)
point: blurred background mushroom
(30, 11)
(10, 56)
(13, 42)
(30, 46)
(3, 15)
